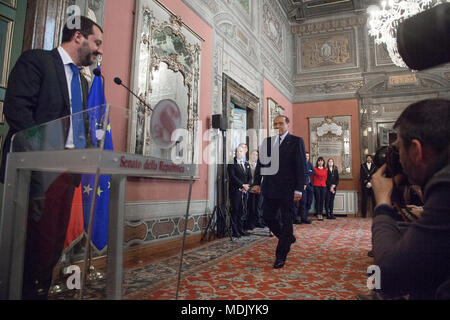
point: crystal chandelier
(383, 22)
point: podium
(95, 161)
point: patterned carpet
(328, 262)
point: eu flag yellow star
(87, 189)
(99, 192)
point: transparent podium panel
(84, 218)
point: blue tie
(79, 139)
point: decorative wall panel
(330, 137)
(272, 26)
(330, 51)
(166, 68)
(245, 4)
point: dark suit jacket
(37, 93)
(309, 172)
(290, 176)
(237, 176)
(332, 177)
(366, 174)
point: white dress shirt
(67, 60)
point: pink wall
(303, 111)
(118, 46)
(271, 92)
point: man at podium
(44, 86)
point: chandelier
(383, 22)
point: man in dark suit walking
(281, 170)
(44, 86)
(368, 168)
(239, 176)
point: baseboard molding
(147, 253)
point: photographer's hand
(382, 186)
(415, 210)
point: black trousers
(329, 202)
(319, 196)
(305, 203)
(278, 215)
(50, 203)
(366, 193)
(254, 212)
(238, 201)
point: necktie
(79, 139)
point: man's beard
(86, 56)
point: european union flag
(96, 112)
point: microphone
(118, 81)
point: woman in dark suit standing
(320, 186)
(332, 183)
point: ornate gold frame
(332, 132)
(147, 58)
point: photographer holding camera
(417, 262)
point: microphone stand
(118, 81)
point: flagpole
(184, 237)
(93, 203)
(191, 182)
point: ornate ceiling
(299, 11)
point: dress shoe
(319, 217)
(370, 254)
(307, 221)
(297, 221)
(279, 264)
(246, 234)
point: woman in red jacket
(320, 186)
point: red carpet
(328, 262)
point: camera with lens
(402, 194)
(388, 155)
